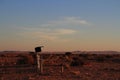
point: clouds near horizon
(66, 21)
(55, 29)
(60, 24)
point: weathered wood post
(39, 59)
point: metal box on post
(38, 49)
(39, 59)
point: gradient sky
(60, 25)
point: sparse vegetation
(76, 67)
(76, 62)
(109, 56)
(100, 59)
(68, 53)
(116, 61)
(22, 60)
(2, 55)
(84, 55)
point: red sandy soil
(76, 66)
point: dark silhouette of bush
(31, 52)
(109, 56)
(2, 55)
(22, 60)
(116, 61)
(83, 55)
(68, 53)
(100, 59)
(76, 62)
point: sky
(60, 25)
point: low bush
(22, 60)
(100, 59)
(116, 61)
(68, 53)
(84, 55)
(76, 62)
(109, 56)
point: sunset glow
(60, 25)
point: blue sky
(60, 25)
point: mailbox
(39, 59)
(38, 49)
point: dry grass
(93, 67)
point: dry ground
(80, 66)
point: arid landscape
(77, 65)
(59, 39)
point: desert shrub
(116, 60)
(75, 58)
(2, 55)
(109, 56)
(76, 62)
(46, 56)
(68, 53)
(31, 52)
(100, 59)
(22, 60)
(83, 55)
